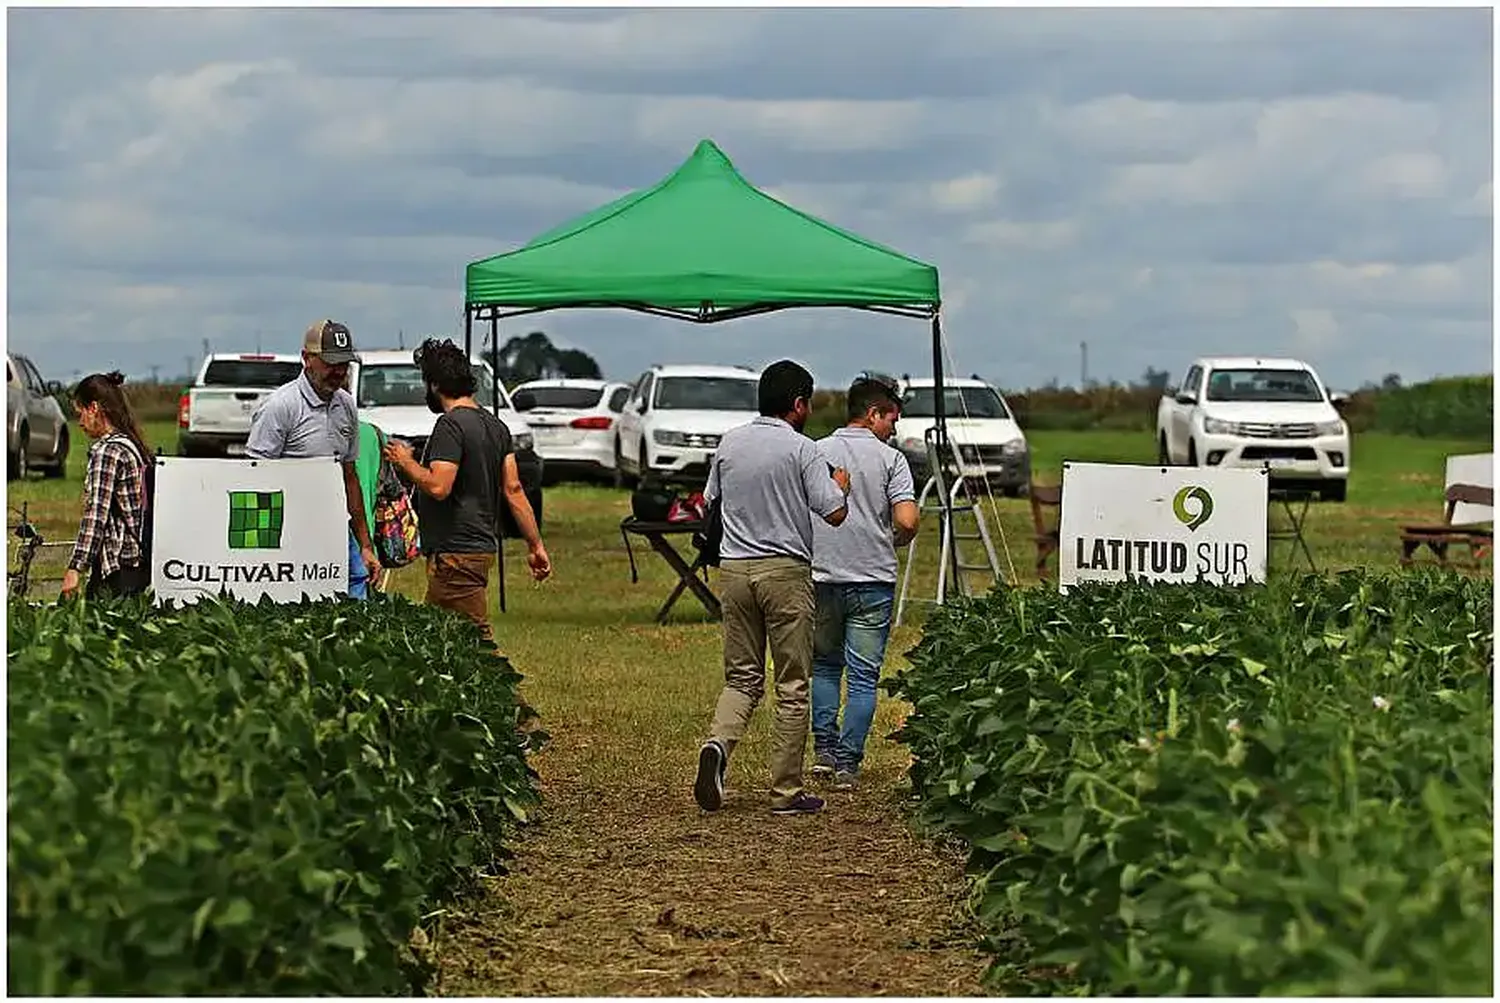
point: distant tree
(532, 356)
(1391, 381)
(577, 364)
(1155, 379)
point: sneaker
(708, 788)
(803, 804)
(846, 780)
(824, 766)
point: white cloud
(1304, 181)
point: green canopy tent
(701, 245)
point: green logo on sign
(255, 520)
(1189, 518)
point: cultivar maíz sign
(1166, 524)
(250, 528)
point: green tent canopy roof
(702, 241)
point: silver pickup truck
(36, 427)
(213, 415)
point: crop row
(249, 800)
(1186, 790)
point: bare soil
(636, 891)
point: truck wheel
(1334, 491)
(1163, 458)
(20, 460)
(59, 465)
(1192, 454)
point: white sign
(1477, 469)
(1162, 524)
(253, 528)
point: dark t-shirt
(465, 522)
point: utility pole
(401, 339)
(257, 341)
(155, 373)
(187, 371)
(1083, 365)
(207, 351)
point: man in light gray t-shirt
(854, 575)
(772, 487)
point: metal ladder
(949, 502)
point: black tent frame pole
(705, 315)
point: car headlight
(1335, 427)
(665, 438)
(1214, 426)
(1014, 447)
(525, 440)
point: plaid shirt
(114, 504)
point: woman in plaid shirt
(116, 493)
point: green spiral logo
(1180, 507)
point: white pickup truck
(213, 415)
(1252, 412)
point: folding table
(656, 534)
(1296, 519)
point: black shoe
(708, 788)
(803, 804)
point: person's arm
(902, 495)
(520, 507)
(828, 496)
(98, 489)
(445, 450)
(354, 498)
(267, 432)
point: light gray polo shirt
(861, 549)
(294, 423)
(773, 480)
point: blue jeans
(359, 577)
(853, 624)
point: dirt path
(634, 891)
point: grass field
(623, 887)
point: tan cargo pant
(767, 599)
(459, 582)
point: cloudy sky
(1157, 183)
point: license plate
(542, 432)
(235, 449)
(1281, 463)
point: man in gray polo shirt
(772, 482)
(315, 416)
(854, 575)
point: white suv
(675, 416)
(990, 443)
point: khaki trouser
(767, 599)
(460, 582)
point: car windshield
(579, 398)
(401, 385)
(260, 373)
(707, 393)
(1278, 385)
(958, 402)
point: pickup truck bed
(213, 415)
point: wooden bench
(1438, 537)
(1047, 539)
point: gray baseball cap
(330, 341)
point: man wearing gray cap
(315, 416)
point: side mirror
(523, 400)
(1183, 398)
(640, 407)
(1337, 398)
(54, 387)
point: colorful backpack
(397, 542)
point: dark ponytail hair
(104, 389)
